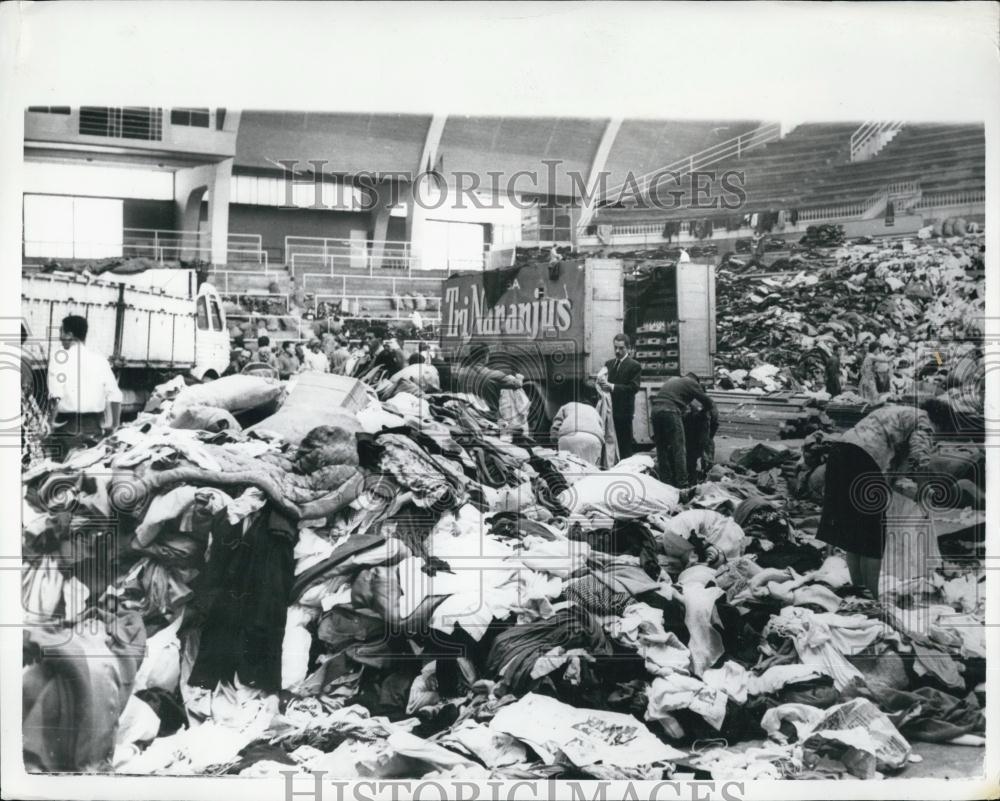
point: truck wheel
(210, 375)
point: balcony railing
(163, 246)
(332, 256)
(961, 197)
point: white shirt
(82, 380)
(317, 361)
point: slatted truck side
(152, 325)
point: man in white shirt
(84, 399)
(316, 359)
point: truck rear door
(696, 318)
(604, 310)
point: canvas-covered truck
(151, 325)
(554, 324)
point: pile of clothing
(124, 265)
(401, 592)
(240, 304)
(923, 301)
(823, 236)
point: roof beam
(597, 165)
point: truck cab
(211, 335)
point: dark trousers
(697, 439)
(671, 454)
(623, 433)
(74, 431)
(855, 499)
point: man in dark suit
(623, 384)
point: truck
(554, 324)
(151, 325)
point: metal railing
(359, 257)
(161, 244)
(249, 246)
(871, 205)
(839, 212)
(960, 197)
(731, 148)
(857, 209)
(214, 275)
(394, 286)
(356, 254)
(871, 137)
(642, 228)
(905, 194)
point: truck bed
(134, 328)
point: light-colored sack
(514, 405)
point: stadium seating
(810, 168)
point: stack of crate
(656, 348)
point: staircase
(868, 141)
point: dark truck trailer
(554, 324)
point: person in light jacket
(578, 428)
(867, 385)
(890, 442)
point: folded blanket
(345, 484)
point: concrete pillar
(218, 211)
(415, 215)
(388, 194)
(416, 218)
(190, 185)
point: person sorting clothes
(84, 399)
(667, 409)
(893, 441)
(700, 427)
(578, 428)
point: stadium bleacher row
(811, 168)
